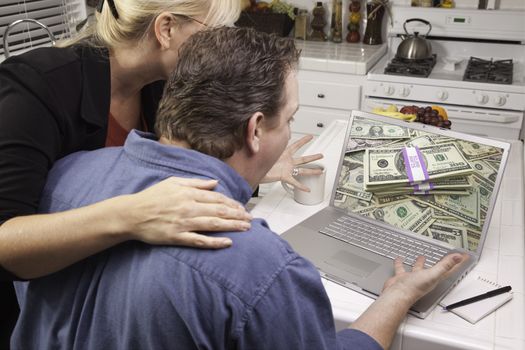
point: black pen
(490, 294)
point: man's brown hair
(222, 78)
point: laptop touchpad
(352, 263)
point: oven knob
(482, 99)
(500, 100)
(442, 95)
(389, 90)
(405, 91)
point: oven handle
(489, 118)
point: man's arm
(382, 319)
(295, 313)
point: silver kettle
(415, 47)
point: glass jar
(375, 12)
(301, 25)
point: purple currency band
(408, 162)
(417, 187)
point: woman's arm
(166, 213)
(40, 123)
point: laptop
(403, 189)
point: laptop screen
(423, 181)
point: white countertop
(344, 57)
(502, 261)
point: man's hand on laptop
(412, 285)
(383, 317)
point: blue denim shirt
(258, 294)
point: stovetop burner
(416, 68)
(485, 71)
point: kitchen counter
(502, 261)
(339, 58)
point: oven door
(496, 123)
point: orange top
(117, 135)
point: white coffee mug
(314, 182)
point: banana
(392, 108)
(397, 115)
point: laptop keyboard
(382, 241)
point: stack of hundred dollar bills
(429, 184)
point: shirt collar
(146, 148)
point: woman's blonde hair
(136, 16)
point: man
(225, 115)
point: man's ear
(254, 132)
(163, 27)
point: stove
(477, 75)
(489, 71)
(414, 68)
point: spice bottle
(318, 23)
(301, 24)
(337, 21)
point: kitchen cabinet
(331, 78)
(325, 97)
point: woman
(89, 94)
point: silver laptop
(402, 189)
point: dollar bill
(397, 144)
(365, 129)
(439, 139)
(351, 182)
(353, 192)
(455, 236)
(473, 233)
(383, 166)
(454, 182)
(420, 141)
(357, 144)
(423, 222)
(474, 150)
(473, 237)
(406, 215)
(483, 168)
(494, 163)
(466, 208)
(356, 157)
(387, 200)
(350, 204)
(445, 191)
(339, 198)
(485, 191)
(438, 214)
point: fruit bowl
(431, 115)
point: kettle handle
(417, 20)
